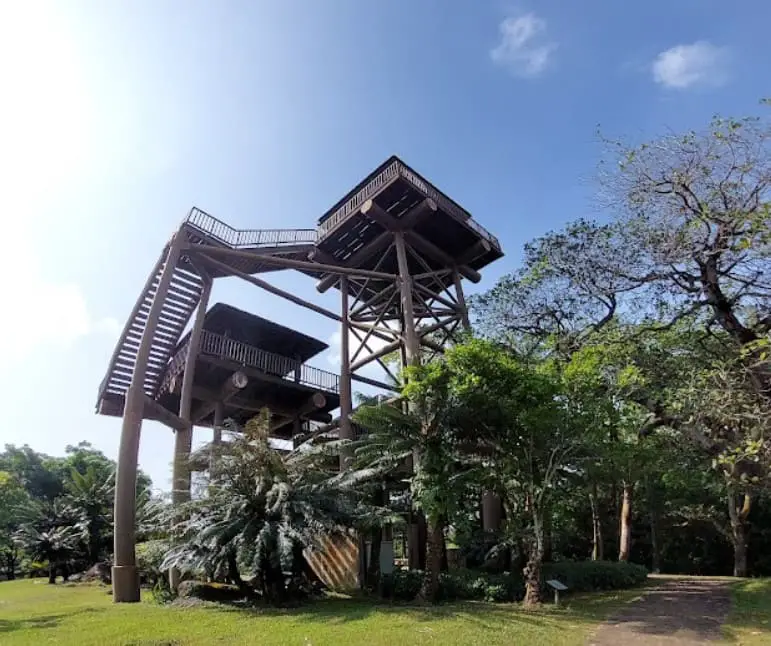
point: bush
(150, 555)
(587, 576)
(464, 585)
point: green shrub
(150, 555)
(587, 576)
(462, 585)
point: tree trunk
(433, 561)
(625, 534)
(52, 574)
(738, 518)
(597, 546)
(532, 570)
(547, 535)
(373, 567)
(233, 573)
(653, 516)
(655, 550)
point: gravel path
(679, 612)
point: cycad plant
(56, 546)
(90, 495)
(260, 511)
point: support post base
(125, 584)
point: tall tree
(13, 500)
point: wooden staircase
(183, 297)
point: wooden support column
(216, 440)
(346, 394)
(409, 333)
(125, 577)
(461, 301)
(183, 440)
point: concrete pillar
(183, 440)
(492, 507)
(216, 440)
(125, 577)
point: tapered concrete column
(346, 395)
(183, 440)
(492, 507)
(216, 438)
(125, 578)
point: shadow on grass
(44, 621)
(751, 609)
(337, 610)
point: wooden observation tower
(395, 248)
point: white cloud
(685, 66)
(523, 49)
(44, 313)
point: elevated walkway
(184, 294)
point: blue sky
(117, 117)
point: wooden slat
(183, 300)
(169, 309)
(178, 286)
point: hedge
(457, 585)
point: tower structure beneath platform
(395, 248)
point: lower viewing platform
(235, 371)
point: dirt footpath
(678, 612)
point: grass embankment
(749, 622)
(32, 612)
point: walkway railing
(246, 238)
(217, 345)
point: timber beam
(289, 263)
(232, 385)
(153, 410)
(378, 244)
(421, 244)
(391, 223)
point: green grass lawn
(750, 619)
(33, 612)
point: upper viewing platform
(396, 189)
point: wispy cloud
(685, 66)
(524, 48)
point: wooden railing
(217, 345)
(391, 172)
(246, 238)
(354, 204)
(446, 204)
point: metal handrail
(246, 238)
(218, 345)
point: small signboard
(558, 587)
